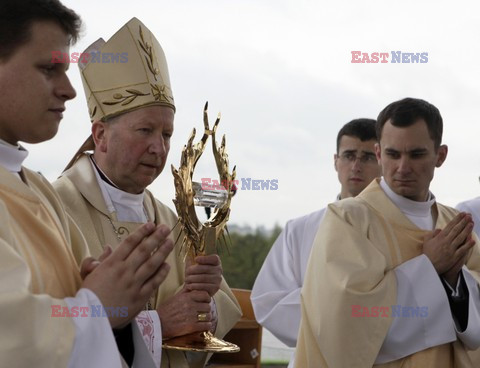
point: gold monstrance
(200, 237)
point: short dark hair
(408, 111)
(363, 129)
(17, 16)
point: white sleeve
(471, 336)
(462, 207)
(94, 345)
(471, 207)
(421, 318)
(151, 330)
(276, 292)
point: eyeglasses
(366, 158)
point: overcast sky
(280, 73)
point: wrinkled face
(33, 89)
(132, 148)
(409, 159)
(356, 165)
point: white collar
(127, 199)
(12, 157)
(128, 206)
(407, 206)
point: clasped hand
(448, 249)
(128, 276)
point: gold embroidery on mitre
(92, 113)
(160, 93)
(125, 100)
(147, 48)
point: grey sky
(280, 72)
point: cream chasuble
(79, 190)
(37, 272)
(359, 244)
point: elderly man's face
(132, 149)
(409, 159)
(33, 89)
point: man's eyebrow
(414, 150)
(418, 150)
(368, 153)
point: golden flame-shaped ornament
(200, 238)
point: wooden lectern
(247, 334)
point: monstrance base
(210, 344)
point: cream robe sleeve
(30, 336)
(228, 309)
(79, 244)
(276, 292)
(345, 269)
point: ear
(441, 155)
(335, 158)
(99, 132)
(378, 151)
